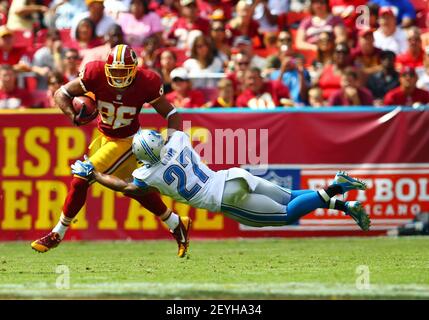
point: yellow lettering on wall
(32, 136)
(182, 209)
(199, 134)
(204, 222)
(70, 145)
(140, 218)
(50, 202)
(107, 221)
(16, 195)
(11, 136)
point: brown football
(86, 109)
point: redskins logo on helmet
(121, 66)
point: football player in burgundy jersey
(120, 89)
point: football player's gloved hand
(78, 116)
(83, 168)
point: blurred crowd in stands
(224, 53)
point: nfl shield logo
(118, 97)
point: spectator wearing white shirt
(266, 13)
(389, 36)
(423, 72)
(114, 8)
(96, 13)
(61, 13)
(203, 61)
(47, 58)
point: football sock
(339, 205)
(303, 204)
(297, 193)
(333, 190)
(76, 197)
(62, 225)
(151, 201)
(172, 221)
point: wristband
(64, 90)
(173, 111)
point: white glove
(83, 168)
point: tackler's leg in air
(257, 202)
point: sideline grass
(266, 269)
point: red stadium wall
(302, 148)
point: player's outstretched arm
(167, 111)
(117, 184)
(63, 97)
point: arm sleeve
(140, 183)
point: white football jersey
(182, 176)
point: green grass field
(266, 269)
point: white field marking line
(239, 289)
(336, 166)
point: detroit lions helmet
(147, 145)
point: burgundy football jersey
(119, 108)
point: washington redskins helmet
(121, 66)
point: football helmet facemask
(121, 66)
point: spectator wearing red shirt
(206, 8)
(407, 94)
(325, 54)
(330, 77)
(166, 9)
(262, 95)
(351, 94)
(366, 56)
(321, 20)
(188, 20)
(241, 63)
(11, 97)
(183, 96)
(413, 57)
(10, 54)
(243, 23)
